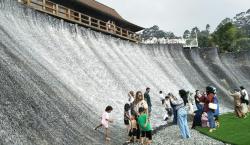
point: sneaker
(107, 139)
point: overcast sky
(177, 15)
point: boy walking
(145, 126)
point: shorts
(147, 134)
(126, 122)
(132, 132)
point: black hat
(210, 89)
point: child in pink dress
(204, 119)
(105, 122)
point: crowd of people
(137, 112)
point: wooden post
(53, 11)
(69, 13)
(98, 22)
(27, 2)
(80, 17)
(57, 9)
(44, 4)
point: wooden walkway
(81, 19)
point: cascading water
(57, 78)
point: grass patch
(232, 130)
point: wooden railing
(80, 18)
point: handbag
(212, 106)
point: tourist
(161, 97)
(244, 100)
(168, 106)
(133, 129)
(190, 103)
(237, 103)
(204, 119)
(139, 102)
(198, 103)
(244, 95)
(198, 112)
(197, 118)
(148, 100)
(105, 122)
(210, 106)
(181, 115)
(145, 126)
(131, 97)
(127, 115)
(173, 108)
(168, 109)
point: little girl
(133, 129)
(204, 119)
(105, 121)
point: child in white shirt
(105, 122)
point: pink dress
(105, 118)
(204, 120)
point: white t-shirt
(105, 118)
(161, 96)
(143, 104)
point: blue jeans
(182, 122)
(199, 106)
(211, 121)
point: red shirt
(206, 100)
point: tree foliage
(155, 31)
(225, 37)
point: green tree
(194, 31)
(203, 39)
(186, 34)
(225, 36)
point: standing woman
(237, 103)
(190, 102)
(140, 102)
(197, 97)
(181, 116)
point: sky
(177, 15)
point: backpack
(242, 98)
